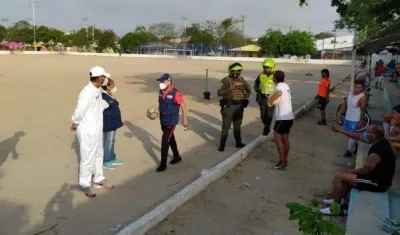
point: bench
(366, 209)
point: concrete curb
(158, 214)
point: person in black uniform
(234, 91)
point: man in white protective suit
(87, 120)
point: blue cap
(165, 77)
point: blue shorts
(349, 125)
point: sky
(123, 15)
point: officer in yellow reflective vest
(265, 86)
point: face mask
(235, 75)
(367, 136)
(163, 86)
(114, 90)
(105, 82)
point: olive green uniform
(232, 104)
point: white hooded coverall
(88, 115)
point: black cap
(165, 77)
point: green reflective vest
(267, 85)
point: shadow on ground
(9, 146)
(134, 197)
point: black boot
(162, 168)
(266, 131)
(238, 138)
(221, 147)
(222, 142)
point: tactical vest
(238, 92)
(169, 110)
(112, 115)
(267, 85)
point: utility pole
(4, 20)
(87, 29)
(184, 28)
(334, 45)
(34, 3)
(242, 17)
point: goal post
(179, 53)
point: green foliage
(323, 35)
(311, 221)
(133, 40)
(21, 31)
(3, 33)
(275, 43)
(272, 43)
(299, 43)
(107, 40)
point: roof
(342, 43)
(247, 48)
(381, 39)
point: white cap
(98, 71)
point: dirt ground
(39, 155)
(228, 206)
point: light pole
(87, 30)
(201, 39)
(334, 45)
(34, 3)
(4, 20)
(184, 25)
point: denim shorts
(349, 125)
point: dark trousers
(232, 114)
(266, 113)
(167, 140)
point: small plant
(311, 221)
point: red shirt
(178, 99)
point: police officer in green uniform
(264, 87)
(234, 91)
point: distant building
(340, 49)
(246, 51)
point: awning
(389, 36)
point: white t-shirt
(283, 110)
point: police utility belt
(226, 103)
(264, 96)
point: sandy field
(228, 206)
(38, 152)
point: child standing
(111, 122)
(323, 94)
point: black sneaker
(266, 131)
(280, 166)
(321, 122)
(161, 168)
(175, 160)
(221, 147)
(348, 154)
(240, 145)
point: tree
(323, 35)
(198, 35)
(366, 16)
(228, 33)
(133, 40)
(299, 43)
(272, 43)
(21, 31)
(85, 37)
(108, 39)
(162, 30)
(3, 33)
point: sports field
(38, 153)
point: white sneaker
(327, 211)
(328, 202)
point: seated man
(390, 121)
(377, 173)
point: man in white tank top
(355, 107)
(283, 118)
